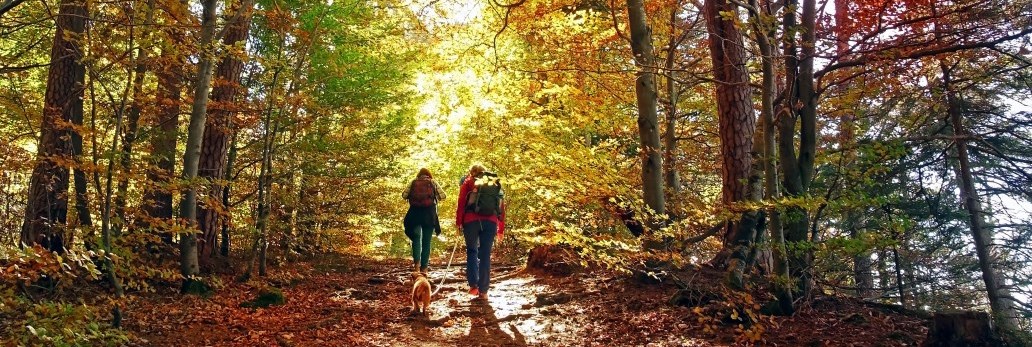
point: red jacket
(462, 216)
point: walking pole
(455, 246)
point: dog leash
(455, 246)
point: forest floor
(348, 301)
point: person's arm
(501, 219)
(438, 191)
(408, 189)
(460, 209)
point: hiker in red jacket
(480, 217)
(421, 220)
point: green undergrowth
(35, 285)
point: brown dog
(420, 293)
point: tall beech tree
(188, 255)
(799, 109)
(765, 147)
(47, 205)
(646, 97)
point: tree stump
(967, 328)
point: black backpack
(486, 197)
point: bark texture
(215, 148)
(47, 205)
(737, 124)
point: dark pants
(480, 237)
(420, 224)
(420, 236)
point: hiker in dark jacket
(421, 220)
(479, 230)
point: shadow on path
(486, 330)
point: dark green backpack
(486, 197)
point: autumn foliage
(851, 154)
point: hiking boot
(474, 291)
(481, 298)
(423, 270)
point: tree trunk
(214, 151)
(741, 180)
(999, 296)
(285, 215)
(862, 276)
(105, 218)
(47, 205)
(673, 180)
(133, 123)
(271, 126)
(307, 202)
(766, 148)
(157, 196)
(646, 96)
(904, 293)
(965, 328)
(82, 209)
(188, 242)
(801, 106)
(264, 183)
(884, 277)
(224, 246)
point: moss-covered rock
(269, 296)
(196, 286)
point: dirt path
(508, 318)
(347, 304)
(363, 302)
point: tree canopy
(875, 149)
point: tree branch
(8, 5)
(921, 53)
